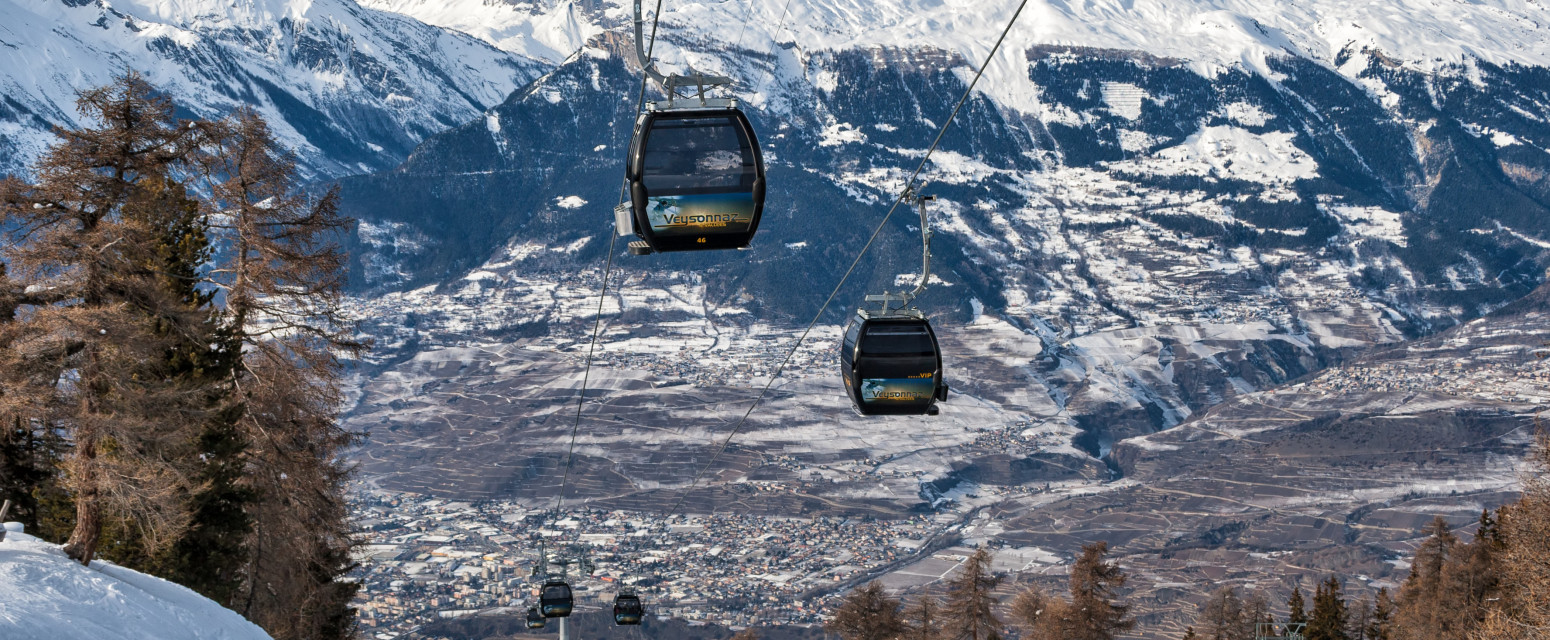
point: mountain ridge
(351, 89)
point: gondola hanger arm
(674, 83)
(925, 242)
(906, 298)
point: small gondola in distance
(891, 364)
(628, 609)
(554, 599)
(535, 620)
(696, 179)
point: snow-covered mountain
(352, 89)
(1121, 191)
(1151, 219)
(48, 596)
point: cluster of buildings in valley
(426, 559)
(1525, 380)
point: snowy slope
(1210, 34)
(350, 88)
(546, 30)
(47, 596)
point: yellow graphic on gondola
(911, 389)
(700, 214)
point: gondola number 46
(700, 240)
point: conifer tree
(1090, 614)
(208, 555)
(1093, 584)
(282, 279)
(198, 389)
(867, 613)
(1221, 617)
(1189, 633)
(971, 600)
(1296, 606)
(89, 358)
(1469, 580)
(1256, 610)
(1361, 619)
(1330, 619)
(1422, 609)
(923, 619)
(1522, 608)
(1381, 625)
(27, 459)
(1042, 616)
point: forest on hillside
(170, 354)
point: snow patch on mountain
(1232, 152)
(48, 595)
(1212, 36)
(545, 30)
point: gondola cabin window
(690, 156)
(898, 340)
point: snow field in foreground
(44, 595)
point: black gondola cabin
(891, 364)
(628, 609)
(555, 599)
(535, 620)
(696, 179)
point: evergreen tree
(27, 459)
(1422, 609)
(1221, 617)
(1521, 611)
(1296, 605)
(971, 600)
(1093, 581)
(101, 317)
(1041, 616)
(1361, 619)
(209, 554)
(282, 276)
(867, 613)
(923, 619)
(1380, 624)
(197, 389)
(1330, 619)
(1189, 633)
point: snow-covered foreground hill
(351, 89)
(45, 595)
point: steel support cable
(908, 186)
(602, 295)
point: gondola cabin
(554, 600)
(535, 620)
(628, 609)
(696, 180)
(891, 364)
